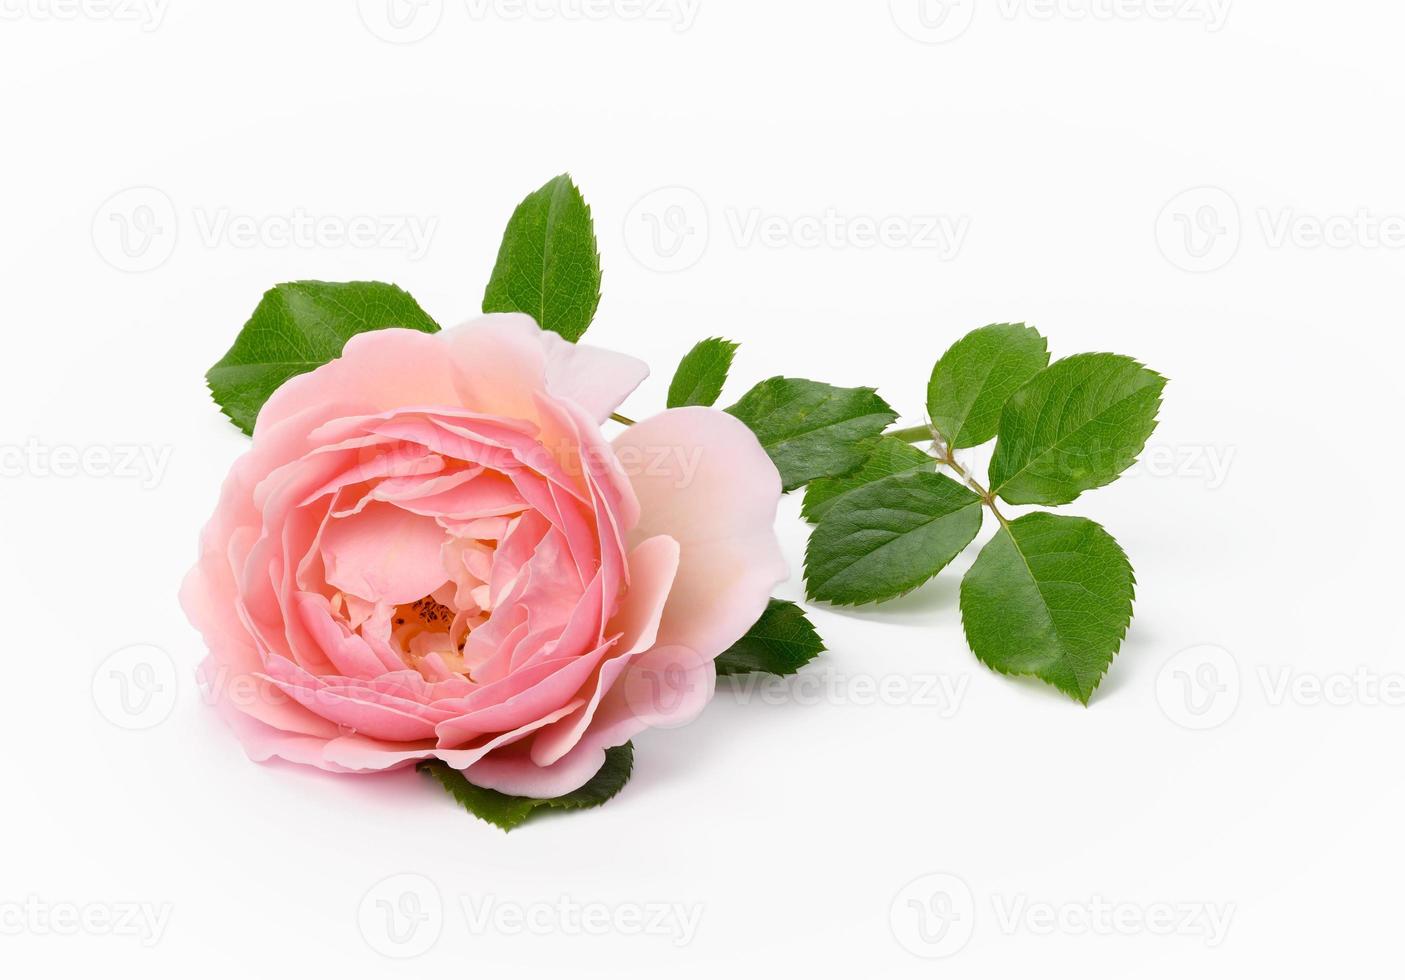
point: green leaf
(1075, 426)
(702, 373)
(780, 642)
(299, 326)
(886, 457)
(1049, 596)
(509, 812)
(975, 377)
(886, 539)
(812, 429)
(549, 265)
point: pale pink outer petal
(262, 742)
(208, 595)
(703, 479)
(377, 371)
(491, 364)
(596, 379)
(512, 771)
(358, 753)
(506, 355)
(617, 720)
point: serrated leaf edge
(1084, 699)
(905, 590)
(1155, 421)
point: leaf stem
(944, 454)
(918, 433)
(948, 457)
(621, 419)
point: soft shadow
(939, 595)
(1138, 651)
(399, 785)
(1033, 687)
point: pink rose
(431, 551)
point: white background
(1148, 177)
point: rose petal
(702, 478)
(384, 554)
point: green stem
(621, 419)
(948, 457)
(918, 433)
(944, 454)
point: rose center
(427, 614)
(427, 626)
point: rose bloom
(432, 552)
